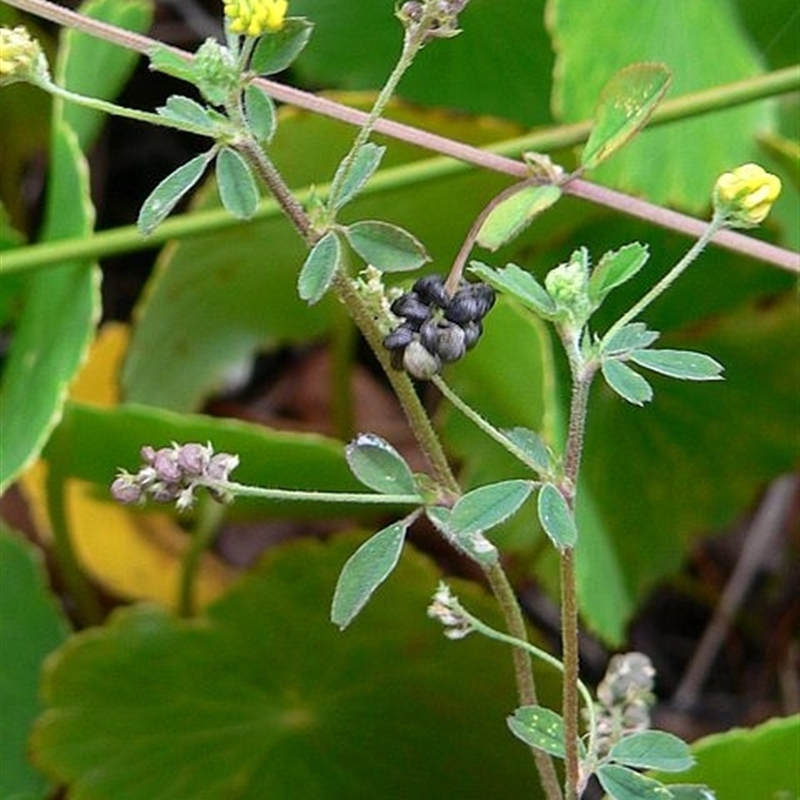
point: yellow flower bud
(256, 17)
(745, 196)
(21, 58)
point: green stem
(542, 655)
(274, 181)
(412, 42)
(582, 375)
(210, 517)
(523, 673)
(107, 107)
(303, 496)
(569, 642)
(402, 385)
(483, 424)
(716, 224)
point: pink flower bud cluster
(172, 474)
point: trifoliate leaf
(378, 465)
(186, 110)
(539, 727)
(166, 195)
(627, 383)
(319, 268)
(616, 267)
(684, 364)
(487, 506)
(365, 570)
(260, 110)
(653, 750)
(532, 445)
(236, 184)
(622, 783)
(165, 60)
(556, 518)
(276, 52)
(474, 545)
(386, 247)
(633, 336)
(347, 184)
(518, 283)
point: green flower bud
(218, 74)
(568, 285)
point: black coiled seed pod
(410, 307)
(436, 327)
(431, 291)
(472, 332)
(398, 338)
(470, 303)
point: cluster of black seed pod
(437, 328)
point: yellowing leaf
(96, 382)
(131, 554)
(136, 555)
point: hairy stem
(401, 383)
(523, 673)
(411, 46)
(106, 107)
(570, 656)
(536, 652)
(305, 496)
(268, 173)
(715, 225)
(582, 375)
(471, 414)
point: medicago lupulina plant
(415, 332)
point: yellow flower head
(256, 17)
(746, 195)
(21, 58)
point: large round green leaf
(748, 762)
(31, 626)
(62, 304)
(704, 45)
(262, 697)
